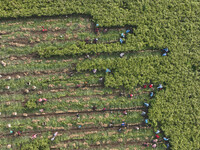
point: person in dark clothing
(105, 30)
(87, 41)
(77, 115)
(19, 133)
(94, 108)
(78, 86)
(111, 124)
(95, 40)
(96, 31)
(120, 129)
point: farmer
(146, 120)
(165, 54)
(77, 115)
(146, 104)
(165, 139)
(9, 125)
(122, 35)
(87, 41)
(52, 138)
(151, 85)
(157, 136)
(96, 30)
(144, 86)
(121, 55)
(55, 134)
(120, 129)
(128, 31)
(166, 50)
(137, 128)
(101, 80)
(34, 136)
(146, 144)
(155, 140)
(123, 124)
(131, 95)
(95, 40)
(94, 71)
(125, 112)
(79, 126)
(78, 86)
(87, 56)
(44, 100)
(94, 108)
(151, 94)
(108, 70)
(111, 124)
(167, 145)
(143, 113)
(105, 30)
(154, 146)
(121, 94)
(44, 123)
(160, 87)
(41, 110)
(104, 109)
(121, 41)
(19, 133)
(11, 132)
(158, 131)
(40, 100)
(97, 25)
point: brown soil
(73, 130)
(70, 113)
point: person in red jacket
(97, 31)
(144, 86)
(125, 112)
(157, 136)
(151, 85)
(131, 95)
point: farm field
(55, 79)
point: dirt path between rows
(71, 113)
(75, 130)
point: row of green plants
(173, 107)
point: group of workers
(164, 51)
(123, 35)
(154, 145)
(42, 100)
(154, 141)
(121, 40)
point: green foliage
(36, 144)
(174, 24)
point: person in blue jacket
(123, 35)
(146, 120)
(165, 54)
(167, 145)
(151, 94)
(146, 104)
(158, 131)
(160, 86)
(166, 50)
(123, 124)
(143, 113)
(165, 139)
(108, 70)
(128, 31)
